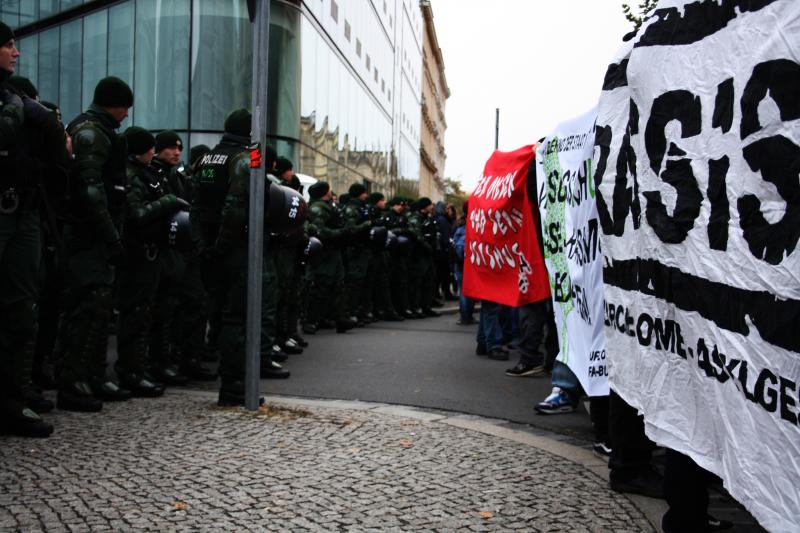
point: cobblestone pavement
(180, 463)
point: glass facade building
(344, 75)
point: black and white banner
(697, 167)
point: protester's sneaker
(602, 449)
(498, 354)
(557, 402)
(524, 369)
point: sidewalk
(181, 463)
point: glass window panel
(48, 65)
(9, 12)
(283, 80)
(95, 52)
(28, 11)
(47, 8)
(222, 44)
(161, 77)
(69, 85)
(69, 4)
(120, 42)
(28, 62)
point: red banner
(502, 260)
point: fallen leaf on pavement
(405, 443)
(180, 506)
(486, 514)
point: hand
(117, 254)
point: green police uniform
(357, 255)
(220, 218)
(93, 245)
(398, 263)
(422, 271)
(326, 276)
(188, 305)
(24, 147)
(146, 281)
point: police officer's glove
(117, 254)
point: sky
(540, 61)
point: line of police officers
(92, 221)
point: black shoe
(170, 375)
(437, 303)
(408, 315)
(524, 369)
(231, 394)
(480, 349)
(498, 354)
(272, 370)
(16, 419)
(299, 340)
(309, 329)
(431, 313)
(197, 371)
(141, 386)
(277, 355)
(468, 322)
(291, 347)
(108, 391)
(647, 482)
(326, 324)
(392, 317)
(418, 315)
(78, 396)
(345, 325)
(35, 401)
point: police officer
(29, 134)
(377, 299)
(357, 254)
(220, 210)
(179, 332)
(287, 252)
(397, 222)
(422, 271)
(326, 276)
(92, 241)
(146, 280)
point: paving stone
(181, 463)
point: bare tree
(644, 8)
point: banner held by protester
(571, 236)
(503, 262)
(698, 196)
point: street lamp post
(259, 15)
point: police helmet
(403, 243)
(313, 250)
(285, 209)
(377, 236)
(179, 232)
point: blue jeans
(466, 306)
(567, 381)
(490, 333)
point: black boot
(231, 394)
(345, 325)
(16, 419)
(78, 396)
(140, 386)
(272, 370)
(109, 391)
(197, 371)
(299, 340)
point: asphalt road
(427, 363)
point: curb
(553, 443)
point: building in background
(345, 76)
(434, 94)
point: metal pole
(255, 249)
(496, 126)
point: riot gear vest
(113, 169)
(211, 183)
